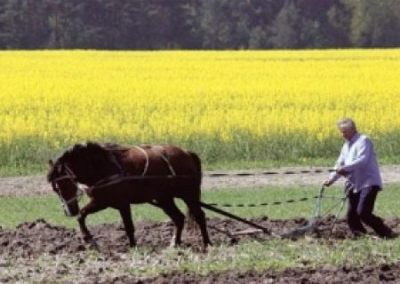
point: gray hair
(347, 123)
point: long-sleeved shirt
(358, 159)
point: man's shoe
(391, 235)
(388, 234)
(357, 234)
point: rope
(118, 178)
(264, 204)
(317, 171)
(238, 205)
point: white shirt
(358, 159)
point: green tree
(339, 18)
(194, 24)
(258, 38)
(375, 23)
(286, 26)
(24, 24)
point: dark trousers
(361, 205)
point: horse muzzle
(71, 209)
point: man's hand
(341, 171)
(327, 182)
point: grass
(282, 254)
(14, 211)
(49, 207)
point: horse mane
(115, 147)
(97, 155)
(108, 151)
(52, 173)
(54, 168)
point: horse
(117, 176)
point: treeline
(198, 24)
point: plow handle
(317, 209)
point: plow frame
(316, 217)
(312, 223)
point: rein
(78, 196)
(80, 191)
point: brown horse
(118, 176)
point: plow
(313, 222)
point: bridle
(69, 175)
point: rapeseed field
(224, 105)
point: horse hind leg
(177, 217)
(200, 218)
(126, 215)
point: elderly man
(358, 163)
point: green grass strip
(14, 211)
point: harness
(160, 151)
(69, 174)
(146, 166)
(80, 191)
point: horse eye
(55, 187)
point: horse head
(82, 164)
(63, 182)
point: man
(358, 164)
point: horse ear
(93, 145)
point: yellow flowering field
(225, 105)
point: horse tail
(197, 187)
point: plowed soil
(37, 239)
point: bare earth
(282, 177)
(38, 252)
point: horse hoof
(204, 249)
(175, 244)
(93, 245)
(88, 238)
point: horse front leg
(89, 208)
(125, 212)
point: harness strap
(146, 167)
(116, 162)
(168, 164)
(80, 191)
(165, 159)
